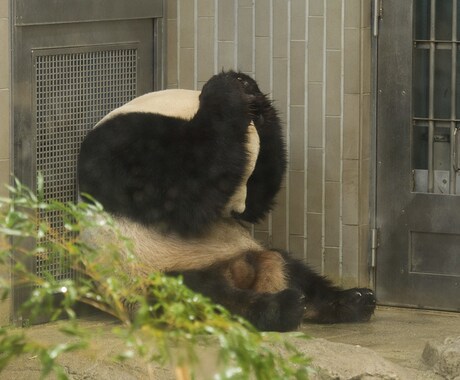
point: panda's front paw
(356, 305)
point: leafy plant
(161, 320)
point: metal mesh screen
(73, 91)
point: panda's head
(130, 161)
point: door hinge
(374, 245)
(377, 15)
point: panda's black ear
(268, 174)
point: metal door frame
(389, 100)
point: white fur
(159, 252)
(174, 103)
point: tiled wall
(313, 58)
(4, 123)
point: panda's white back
(174, 103)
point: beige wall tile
(350, 258)
(226, 20)
(4, 124)
(352, 13)
(366, 60)
(296, 202)
(206, 8)
(205, 48)
(350, 192)
(315, 49)
(187, 68)
(332, 264)
(314, 241)
(315, 180)
(186, 24)
(245, 45)
(365, 126)
(352, 61)
(364, 254)
(4, 177)
(171, 9)
(280, 28)
(333, 83)
(316, 7)
(279, 221)
(263, 63)
(297, 138)
(262, 16)
(351, 127)
(366, 14)
(333, 148)
(4, 9)
(297, 70)
(171, 54)
(226, 55)
(364, 183)
(297, 246)
(315, 115)
(334, 24)
(332, 214)
(298, 24)
(4, 53)
(280, 87)
(245, 3)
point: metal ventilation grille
(74, 89)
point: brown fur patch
(270, 275)
(261, 271)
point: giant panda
(181, 171)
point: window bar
(453, 111)
(431, 98)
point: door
(417, 174)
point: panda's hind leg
(326, 303)
(278, 311)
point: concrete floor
(396, 334)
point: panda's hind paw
(356, 305)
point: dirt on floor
(395, 344)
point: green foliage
(161, 320)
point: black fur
(172, 173)
(308, 295)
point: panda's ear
(237, 202)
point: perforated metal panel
(74, 89)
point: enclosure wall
(313, 58)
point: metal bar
(431, 98)
(439, 45)
(37, 12)
(453, 102)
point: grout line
(323, 131)
(288, 123)
(305, 153)
(195, 43)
